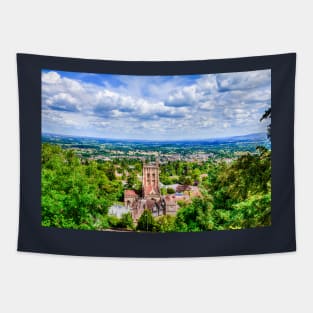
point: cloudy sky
(155, 107)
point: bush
(166, 223)
(170, 190)
(113, 221)
(126, 221)
(146, 222)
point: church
(151, 198)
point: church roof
(130, 193)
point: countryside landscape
(116, 158)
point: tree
(170, 190)
(196, 174)
(241, 191)
(146, 222)
(133, 182)
(253, 212)
(74, 194)
(110, 172)
(185, 180)
(195, 216)
(165, 179)
(249, 174)
(163, 191)
(267, 115)
(166, 223)
(126, 221)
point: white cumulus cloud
(155, 107)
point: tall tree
(267, 115)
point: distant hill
(249, 137)
(242, 138)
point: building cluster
(151, 198)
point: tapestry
(156, 159)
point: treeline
(181, 172)
(77, 194)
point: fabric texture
(156, 159)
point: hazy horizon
(152, 140)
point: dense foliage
(234, 196)
(77, 193)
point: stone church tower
(151, 198)
(150, 181)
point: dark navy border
(280, 237)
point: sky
(155, 107)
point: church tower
(150, 181)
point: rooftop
(130, 193)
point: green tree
(166, 223)
(146, 222)
(163, 191)
(133, 182)
(185, 180)
(74, 194)
(196, 216)
(126, 221)
(170, 190)
(267, 115)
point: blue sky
(155, 107)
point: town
(160, 177)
